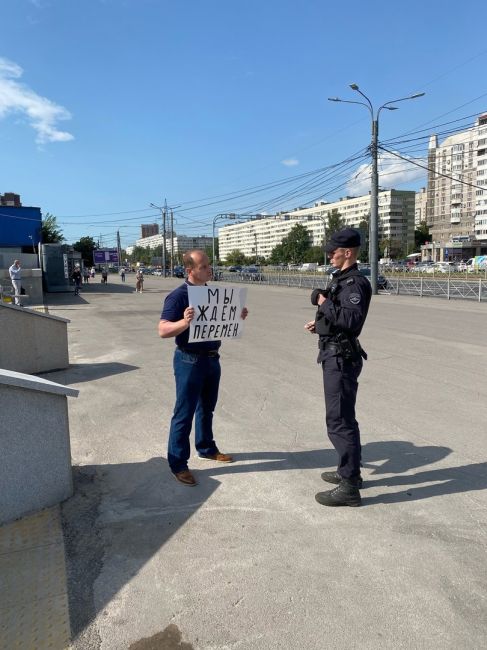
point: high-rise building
(10, 199)
(456, 202)
(149, 229)
(420, 204)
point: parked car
(251, 273)
(234, 269)
(381, 280)
(178, 272)
(441, 267)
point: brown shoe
(219, 457)
(185, 477)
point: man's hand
(188, 315)
(310, 326)
(244, 313)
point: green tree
(421, 235)
(236, 257)
(86, 246)
(50, 231)
(314, 254)
(335, 223)
(144, 255)
(296, 244)
(278, 255)
(363, 228)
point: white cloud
(393, 172)
(290, 162)
(42, 113)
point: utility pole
(164, 213)
(119, 249)
(172, 244)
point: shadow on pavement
(121, 515)
(118, 518)
(80, 372)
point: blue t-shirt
(173, 310)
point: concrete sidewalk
(248, 559)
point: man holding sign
(198, 316)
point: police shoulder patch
(350, 281)
(354, 298)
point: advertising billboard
(105, 256)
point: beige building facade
(258, 236)
(457, 200)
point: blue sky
(107, 106)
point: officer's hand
(321, 299)
(188, 314)
(310, 326)
(244, 313)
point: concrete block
(32, 342)
(35, 463)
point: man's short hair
(188, 260)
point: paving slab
(33, 588)
(248, 559)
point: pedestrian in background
(86, 275)
(104, 276)
(15, 273)
(197, 373)
(77, 279)
(342, 310)
(122, 274)
(93, 272)
(139, 282)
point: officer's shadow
(386, 464)
(397, 459)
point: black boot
(345, 494)
(335, 478)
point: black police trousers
(340, 382)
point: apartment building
(457, 202)
(258, 236)
(149, 230)
(180, 243)
(420, 205)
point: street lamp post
(223, 215)
(323, 219)
(374, 190)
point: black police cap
(346, 238)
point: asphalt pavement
(248, 559)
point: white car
(441, 267)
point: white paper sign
(217, 311)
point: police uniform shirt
(174, 305)
(348, 302)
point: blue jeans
(197, 382)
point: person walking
(197, 373)
(86, 275)
(15, 273)
(139, 282)
(342, 310)
(104, 276)
(122, 274)
(77, 279)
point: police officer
(342, 310)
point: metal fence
(447, 287)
